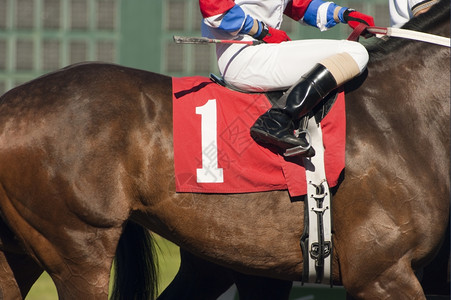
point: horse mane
(426, 22)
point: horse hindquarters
(63, 191)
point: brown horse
(86, 167)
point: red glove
(271, 35)
(354, 18)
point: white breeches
(269, 67)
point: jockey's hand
(269, 34)
(354, 18)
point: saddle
(319, 112)
(273, 96)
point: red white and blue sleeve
(318, 13)
(226, 15)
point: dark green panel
(141, 27)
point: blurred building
(38, 36)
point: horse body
(87, 150)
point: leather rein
(379, 32)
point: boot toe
(274, 128)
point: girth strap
(316, 241)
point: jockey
(309, 69)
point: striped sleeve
(233, 20)
(323, 15)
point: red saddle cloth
(214, 152)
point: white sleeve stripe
(214, 21)
(321, 16)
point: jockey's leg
(276, 126)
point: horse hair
(135, 275)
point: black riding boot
(276, 126)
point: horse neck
(413, 68)
(403, 103)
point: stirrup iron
(299, 149)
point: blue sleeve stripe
(330, 12)
(248, 23)
(235, 20)
(310, 15)
(321, 14)
(340, 14)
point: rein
(379, 32)
(361, 29)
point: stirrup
(299, 149)
(296, 150)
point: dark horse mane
(437, 14)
